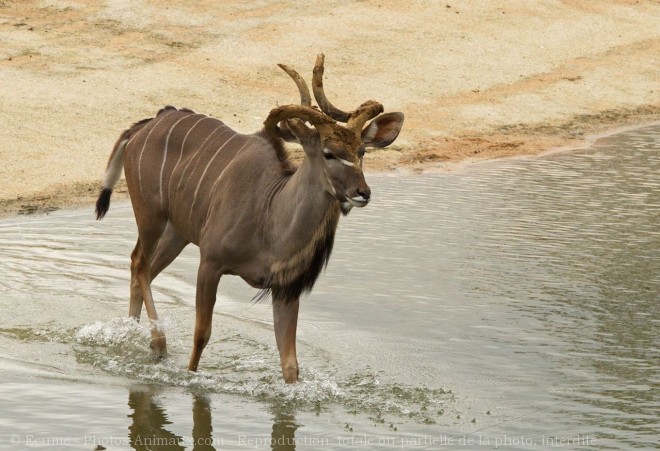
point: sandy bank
(476, 80)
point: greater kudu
(252, 213)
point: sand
(476, 80)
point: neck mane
(297, 274)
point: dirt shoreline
(84, 194)
(477, 81)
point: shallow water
(513, 305)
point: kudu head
(334, 140)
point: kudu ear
(382, 131)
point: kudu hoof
(158, 348)
(290, 375)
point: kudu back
(253, 213)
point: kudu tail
(114, 169)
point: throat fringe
(297, 275)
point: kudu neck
(302, 206)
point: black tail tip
(103, 203)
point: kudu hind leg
(285, 321)
(135, 304)
(169, 247)
(141, 284)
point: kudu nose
(364, 192)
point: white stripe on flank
(113, 173)
(162, 166)
(144, 146)
(178, 187)
(135, 135)
(221, 173)
(181, 152)
(228, 164)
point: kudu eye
(328, 156)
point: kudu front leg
(285, 321)
(208, 278)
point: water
(512, 305)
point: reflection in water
(149, 427)
(283, 437)
(148, 430)
(202, 430)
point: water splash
(250, 368)
(116, 332)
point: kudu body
(192, 179)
